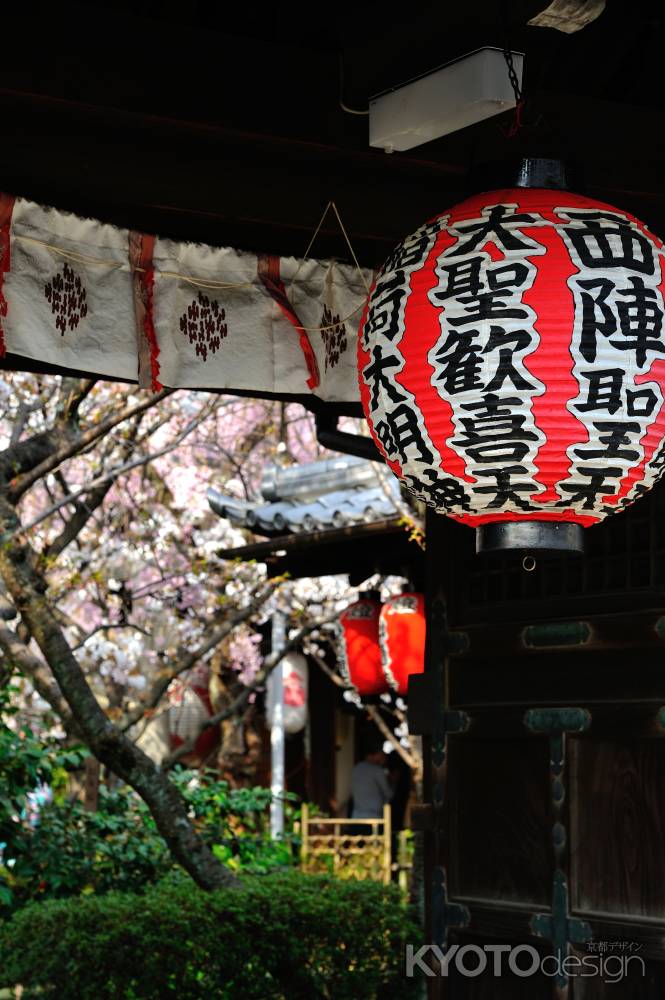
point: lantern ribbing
(511, 362)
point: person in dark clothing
(370, 786)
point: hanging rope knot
(516, 125)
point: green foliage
(72, 851)
(235, 822)
(278, 936)
(24, 765)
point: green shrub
(72, 851)
(281, 936)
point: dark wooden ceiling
(204, 122)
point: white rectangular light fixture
(458, 94)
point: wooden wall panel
(500, 819)
(617, 791)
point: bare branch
(18, 654)
(84, 510)
(336, 678)
(73, 391)
(210, 642)
(371, 710)
(239, 702)
(18, 568)
(76, 523)
(385, 731)
(106, 628)
(21, 419)
(110, 477)
(19, 486)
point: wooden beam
(307, 540)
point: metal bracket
(444, 914)
(556, 634)
(558, 927)
(529, 536)
(557, 720)
(422, 709)
(329, 436)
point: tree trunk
(24, 581)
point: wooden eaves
(359, 550)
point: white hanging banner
(91, 297)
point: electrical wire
(343, 106)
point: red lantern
(359, 650)
(190, 708)
(512, 364)
(294, 693)
(402, 638)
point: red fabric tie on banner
(6, 209)
(141, 249)
(268, 272)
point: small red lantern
(402, 639)
(512, 364)
(190, 708)
(359, 650)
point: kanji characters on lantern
(511, 359)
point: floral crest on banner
(81, 295)
(204, 323)
(68, 299)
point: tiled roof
(327, 494)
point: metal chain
(512, 75)
(511, 132)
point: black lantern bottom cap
(529, 536)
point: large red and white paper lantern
(512, 364)
(359, 649)
(402, 639)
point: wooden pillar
(434, 741)
(387, 844)
(304, 835)
(91, 786)
(429, 716)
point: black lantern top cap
(525, 172)
(534, 172)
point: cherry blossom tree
(111, 588)
(111, 584)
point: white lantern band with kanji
(512, 367)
